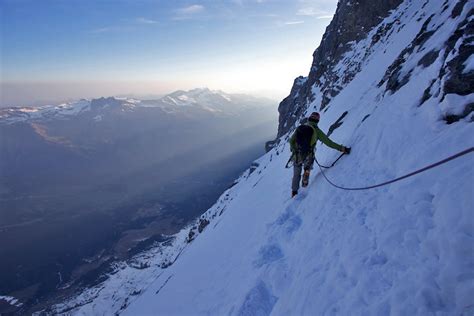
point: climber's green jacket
(318, 134)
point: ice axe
(289, 160)
(332, 165)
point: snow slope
(403, 249)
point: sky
(56, 50)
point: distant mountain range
(217, 102)
(86, 183)
(109, 132)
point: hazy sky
(66, 49)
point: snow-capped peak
(211, 99)
(19, 114)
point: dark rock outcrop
(337, 124)
(269, 145)
(200, 225)
(104, 102)
(428, 58)
(393, 76)
(203, 222)
(460, 81)
(191, 235)
(452, 118)
(292, 106)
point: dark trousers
(299, 162)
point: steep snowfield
(402, 249)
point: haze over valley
(88, 183)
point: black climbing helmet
(314, 117)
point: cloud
(294, 22)
(192, 9)
(126, 25)
(325, 17)
(142, 20)
(310, 11)
(305, 11)
(318, 14)
(188, 12)
(106, 29)
(268, 15)
(241, 2)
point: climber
(302, 145)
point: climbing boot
(305, 180)
(294, 193)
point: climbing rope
(332, 165)
(436, 164)
(327, 167)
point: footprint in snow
(289, 222)
(377, 258)
(268, 254)
(258, 301)
(301, 195)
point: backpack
(303, 135)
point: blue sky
(81, 48)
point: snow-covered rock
(10, 300)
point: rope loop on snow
(433, 165)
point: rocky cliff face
(358, 20)
(352, 22)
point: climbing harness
(436, 164)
